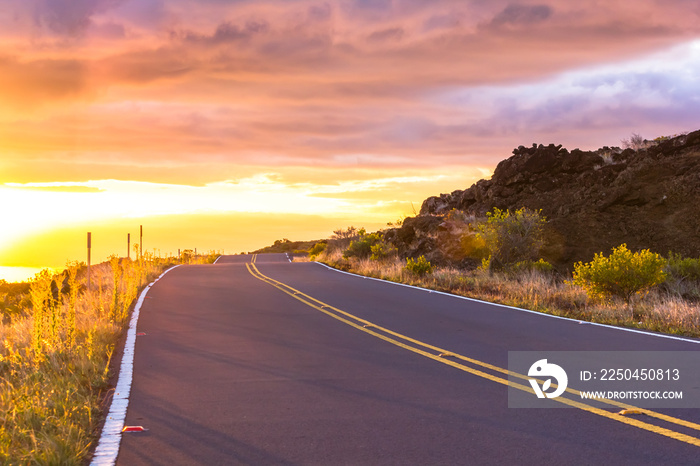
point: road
(276, 363)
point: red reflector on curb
(627, 412)
(134, 429)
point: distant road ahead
(254, 364)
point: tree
(341, 239)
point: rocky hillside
(593, 200)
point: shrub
(42, 304)
(473, 246)
(381, 251)
(317, 249)
(187, 256)
(362, 247)
(635, 142)
(622, 274)
(212, 256)
(485, 263)
(512, 237)
(539, 266)
(420, 266)
(683, 268)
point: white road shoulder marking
(108, 445)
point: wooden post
(141, 242)
(89, 245)
(128, 245)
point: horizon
(226, 126)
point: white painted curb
(542, 314)
(108, 445)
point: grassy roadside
(58, 339)
(538, 291)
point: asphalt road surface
(258, 364)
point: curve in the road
(234, 374)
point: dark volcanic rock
(593, 200)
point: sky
(225, 125)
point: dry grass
(659, 311)
(53, 371)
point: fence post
(89, 246)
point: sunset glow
(227, 125)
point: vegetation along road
(256, 360)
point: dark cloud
(522, 15)
(146, 66)
(446, 21)
(320, 12)
(386, 35)
(370, 4)
(70, 17)
(367, 10)
(146, 14)
(109, 30)
(302, 51)
(226, 32)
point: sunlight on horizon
(21, 274)
(50, 217)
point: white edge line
(659, 335)
(108, 446)
(217, 259)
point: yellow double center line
(441, 355)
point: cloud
(386, 35)
(201, 89)
(321, 12)
(30, 83)
(590, 108)
(444, 21)
(108, 30)
(522, 15)
(146, 15)
(144, 66)
(367, 7)
(226, 33)
(70, 17)
(55, 187)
